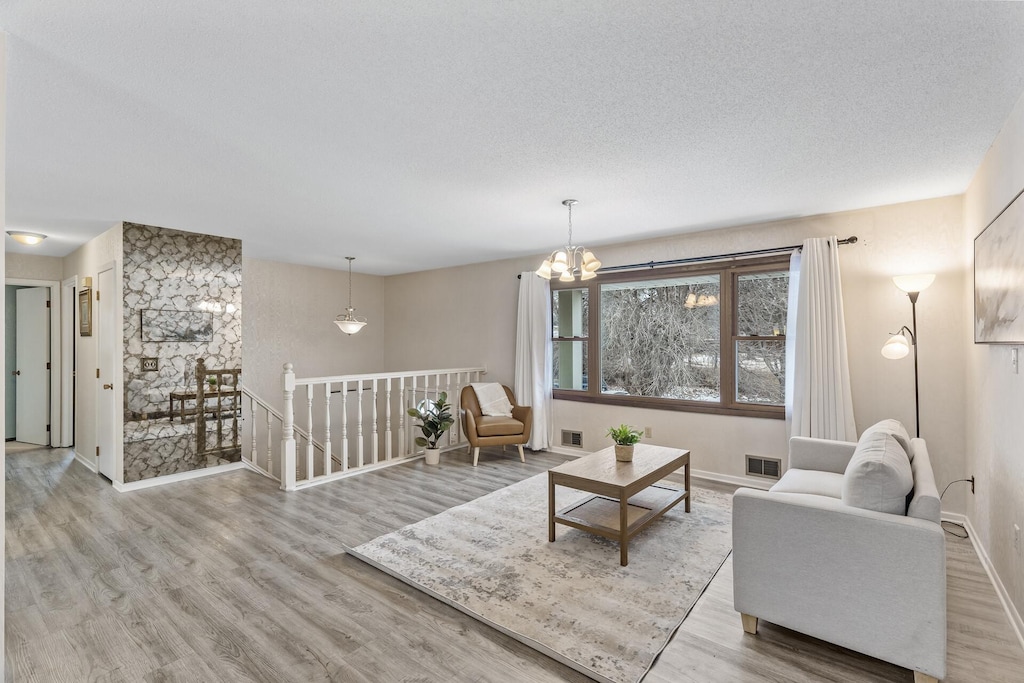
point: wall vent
(572, 439)
(764, 467)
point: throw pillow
(896, 430)
(879, 476)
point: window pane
(570, 313)
(570, 365)
(762, 300)
(661, 338)
(761, 372)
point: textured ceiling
(415, 135)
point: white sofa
(812, 555)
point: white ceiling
(415, 135)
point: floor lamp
(898, 345)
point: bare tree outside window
(662, 338)
(761, 303)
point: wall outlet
(150, 364)
(648, 433)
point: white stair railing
(262, 431)
(365, 406)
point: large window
(708, 338)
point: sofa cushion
(498, 426)
(879, 476)
(896, 430)
(810, 481)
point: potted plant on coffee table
(435, 418)
(625, 437)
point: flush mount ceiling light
(28, 238)
(570, 261)
(349, 323)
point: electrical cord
(955, 524)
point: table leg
(551, 507)
(689, 491)
(623, 538)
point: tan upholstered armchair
(485, 430)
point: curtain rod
(717, 257)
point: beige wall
(471, 314)
(86, 262)
(32, 267)
(287, 316)
(995, 393)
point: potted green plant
(435, 418)
(625, 437)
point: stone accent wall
(197, 280)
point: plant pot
(432, 456)
(624, 453)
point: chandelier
(349, 323)
(571, 260)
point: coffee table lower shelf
(601, 515)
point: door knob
(16, 373)
(108, 386)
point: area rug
(569, 599)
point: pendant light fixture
(349, 323)
(571, 260)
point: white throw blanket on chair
(492, 399)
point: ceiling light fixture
(28, 238)
(348, 323)
(570, 260)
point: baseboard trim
(174, 478)
(748, 482)
(1004, 597)
(92, 466)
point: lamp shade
(897, 347)
(349, 326)
(914, 283)
(545, 270)
(560, 263)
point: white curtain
(533, 356)
(819, 400)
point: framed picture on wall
(85, 313)
(164, 325)
(999, 278)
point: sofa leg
(522, 456)
(476, 455)
(749, 623)
(924, 678)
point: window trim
(729, 273)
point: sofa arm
(865, 580)
(525, 415)
(824, 455)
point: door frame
(55, 417)
(68, 383)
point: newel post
(288, 430)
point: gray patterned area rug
(569, 599)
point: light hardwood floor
(229, 579)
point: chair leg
(749, 623)
(469, 448)
(522, 456)
(476, 455)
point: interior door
(104, 318)
(32, 346)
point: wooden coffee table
(625, 488)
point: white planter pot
(624, 453)
(432, 456)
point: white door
(32, 347)
(104, 319)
